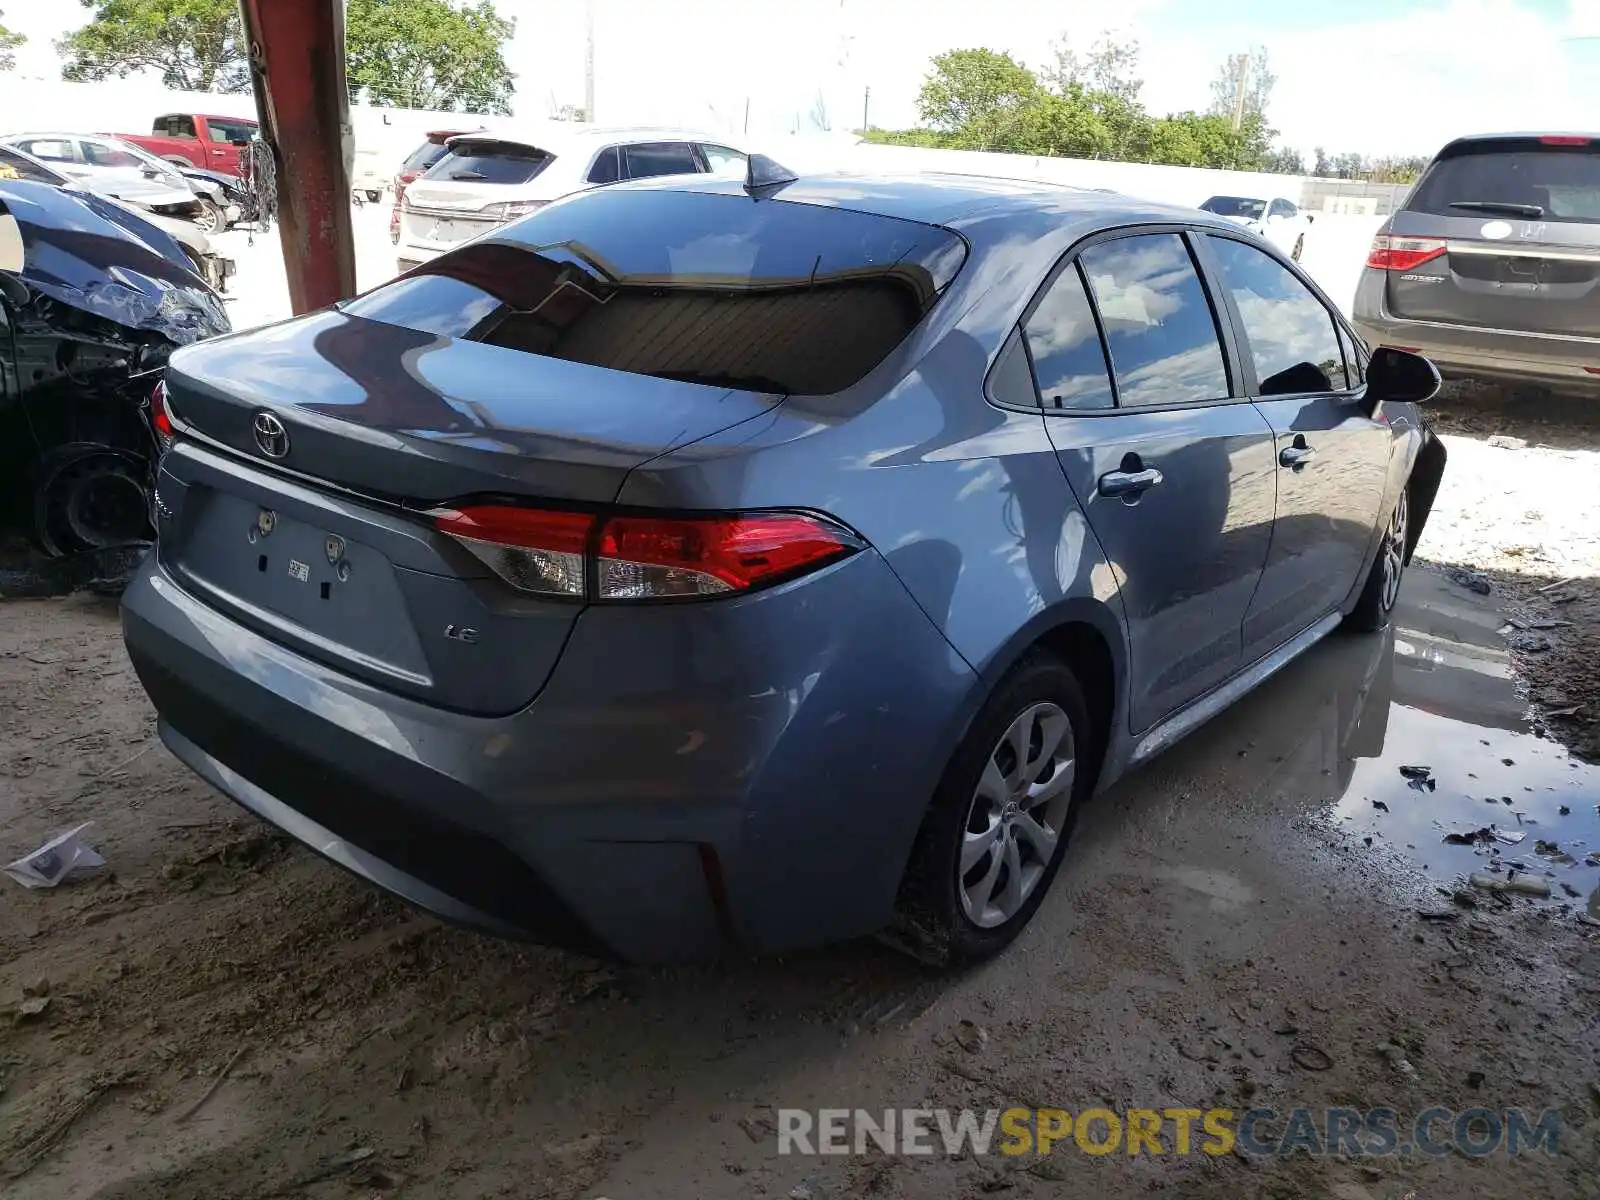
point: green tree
(972, 90)
(1284, 161)
(9, 42)
(429, 54)
(196, 45)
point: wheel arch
(1426, 473)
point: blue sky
(1380, 76)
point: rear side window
(176, 126)
(489, 162)
(1562, 181)
(1292, 337)
(423, 157)
(607, 168)
(705, 288)
(1068, 359)
(1159, 327)
(649, 159)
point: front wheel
(1382, 589)
(210, 218)
(995, 834)
(1299, 248)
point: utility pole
(866, 107)
(747, 115)
(588, 62)
(1240, 79)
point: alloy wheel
(1394, 551)
(1017, 816)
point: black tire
(374, 196)
(1382, 587)
(931, 922)
(1299, 248)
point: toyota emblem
(272, 439)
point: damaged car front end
(93, 300)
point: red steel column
(297, 64)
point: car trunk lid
(329, 548)
(1513, 229)
(465, 192)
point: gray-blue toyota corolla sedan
(696, 565)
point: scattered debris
(212, 1090)
(1564, 811)
(1553, 852)
(971, 1036)
(1475, 1079)
(64, 855)
(1440, 915)
(1396, 1057)
(1416, 772)
(1475, 581)
(33, 1006)
(1310, 1058)
(1484, 836)
(1504, 441)
(1380, 806)
(1521, 884)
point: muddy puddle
(1451, 781)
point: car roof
(558, 133)
(1532, 136)
(943, 198)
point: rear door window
(489, 162)
(1069, 361)
(1291, 335)
(699, 287)
(723, 162)
(649, 159)
(1159, 328)
(1511, 178)
(229, 131)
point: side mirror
(1400, 377)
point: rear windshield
(715, 289)
(1562, 182)
(1234, 206)
(489, 162)
(423, 157)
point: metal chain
(262, 181)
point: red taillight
(644, 557)
(535, 550)
(1559, 139)
(160, 418)
(1390, 253)
(652, 557)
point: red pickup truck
(197, 139)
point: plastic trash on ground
(62, 856)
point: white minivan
(492, 176)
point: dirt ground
(221, 1014)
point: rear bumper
(747, 773)
(1552, 360)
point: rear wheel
(1382, 588)
(1299, 248)
(87, 497)
(997, 829)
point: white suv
(490, 177)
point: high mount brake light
(644, 557)
(1390, 253)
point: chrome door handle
(1129, 483)
(1295, 456)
